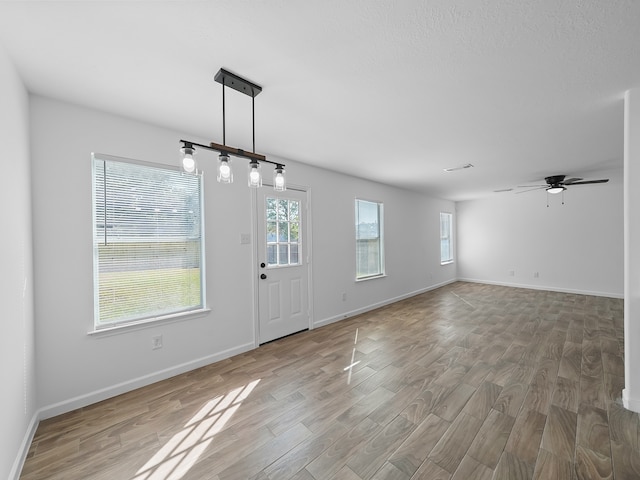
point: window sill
(372, 277)
(446, 263)
(148, 323)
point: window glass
(369, 241)
(446, 247)
(147, 241)
(283, 231)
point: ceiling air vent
(454, 169)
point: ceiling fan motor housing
(555, 180)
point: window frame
(149, 317)
(380, 239)
(448, 237)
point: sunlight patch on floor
(183, 450)
(349, 368)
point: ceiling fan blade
(540, 187)
(587, 182)
(569, 181)
(531, 186)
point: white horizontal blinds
(147, 241)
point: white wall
(631, 392)
(17, 375)
(575, 247)
(75, 369)
(411, 239)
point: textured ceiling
(393, 91)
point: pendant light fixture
(225, 172)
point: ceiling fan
(557, 183)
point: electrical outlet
(536, 275)
(156, 342)
(245, 239)
(344, 296)
(512, 273)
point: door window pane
(272, 229)
(283, 231)
(272, 254)
(283, 254)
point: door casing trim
(255, 217)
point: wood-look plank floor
(466, 382)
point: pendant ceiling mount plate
(239, 84)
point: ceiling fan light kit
(225, 172)
(557, 184)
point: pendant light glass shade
(279, 180)
(188, 162)
(254, 179)
(225, 175)
(554, 190)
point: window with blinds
(147, 241)
(446, 234)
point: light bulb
(279, 181)
(188, 162)
(255, 178)
(225, 175)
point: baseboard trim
(368, 308)
(18, 463)
(544, 287)
(120, 388)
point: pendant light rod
(236, 152)
(224, 123)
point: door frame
(255, 271)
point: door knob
(263, 276)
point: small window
(283, 232)
(446, 238)
(147, 242)
(369, 239)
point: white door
(283, 296)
